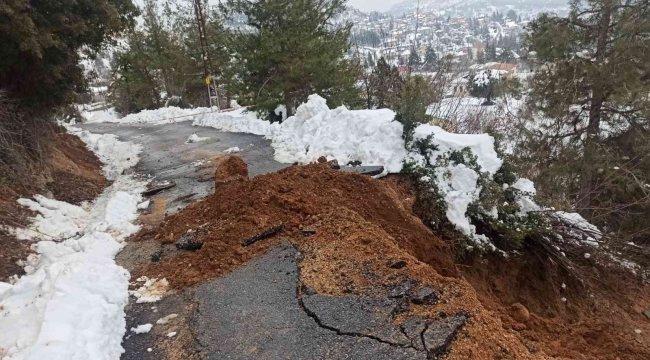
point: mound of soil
(296, 196)
(230, 169)
(72, 174)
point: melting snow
(70, 305)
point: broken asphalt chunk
(399, 264)
(187, 242)
(263, 235)
(425, 296)
(440, 333)
(403, 289)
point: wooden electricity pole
(205, 52)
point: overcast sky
(373, 5)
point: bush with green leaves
(500, 223)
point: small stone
(171, 334)
(519, 312)
(308, 232)
(399, 264)
(647, 314)
(308, 290)
(638, 331)
(403, 289)
(187, 242)
(149, 349)
(155, 257)
(425, 296)
(519, 327)
(322, 160)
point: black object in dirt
(263, 235)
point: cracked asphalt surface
(257, 311)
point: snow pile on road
(70, 304)
(100, 116)
(195, 138)
(238, 121)
(232, 150)
(164, 115)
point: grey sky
(373, 5)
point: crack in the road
(339, 332)
(192, 319)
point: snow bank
(457, 182)
(115, 154)
(70, 304)
(238, 120)
(159, 116)
(369, 136)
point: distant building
(510, 69)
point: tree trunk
(595, 113)
(287, 104)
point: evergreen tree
(414, 59)
(597, 84)
(430, 58)
(42, 42)
(369, 61)
(293, 50)
(512, 15)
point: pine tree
(597, 84)
(294, 50)
(414, 59)
(430, 58)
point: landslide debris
(359, 227)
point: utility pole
(205, 52)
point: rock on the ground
(187, 242)
(519, 312)
(399, 264)
(440, 333)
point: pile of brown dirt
(72, 174)
(295, 196)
